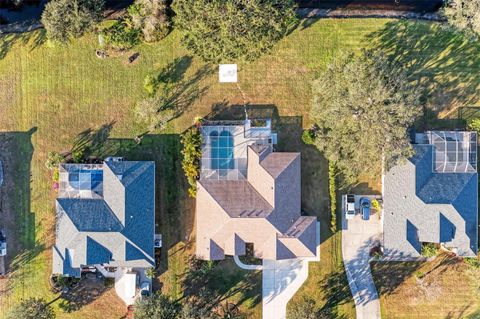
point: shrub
(65, 19)
(151, 17)
(473, 262)
(150, 84)
(33, 308)
(305, 309)
(150, 272)
(333, 196)
(192, 141)
(53, 160)
(429, 250)
(56, 175)
(308, 137)
(474, 125)
(157, 306)
(78, 156)
(122, 35)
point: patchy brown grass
(443, 288)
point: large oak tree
(363, 106)
(464, 15)
(231, 30)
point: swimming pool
(85, 179)
(221, 150)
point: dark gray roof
(422, 205)
(91, 215)
(117, 231)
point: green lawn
(61, 91)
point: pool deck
(71, 188)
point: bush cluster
(429, 250)
(333, 196)
(146, 20)
(192, 142)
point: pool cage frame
(453, 151)
(224, 155)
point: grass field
(444, 288)
(56, 92)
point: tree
(33, 308)
(151, 16)
(464, 15)
(158, 306)
(304, 309)
(228, 30)
(363, 106)
(65, 19)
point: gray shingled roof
(117, 230)
(421, 205)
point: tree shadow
(31, 40)
(442, 64)
(171, 93)
(208, 284)
(16, 219)
(93, 142)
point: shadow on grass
(442, 64)
(32, 40)
(16, 219)
(208, 284)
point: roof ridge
(241, 181)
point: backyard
(57, 92)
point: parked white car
(349, 201)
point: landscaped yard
(57, 92)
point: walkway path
(358, 237)
(245, 266)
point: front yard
(444, 288)
(58, 92)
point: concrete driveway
(358, 238)
(281, 279)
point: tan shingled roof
(276, 163)
(238, 198)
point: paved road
(358, 237)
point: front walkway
(358, 237)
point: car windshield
(365, 203)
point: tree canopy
(464, 15)
(157, 306)
(229, 30)
(33, 308)
(363, 106)
(65, 19)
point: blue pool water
(85, 179)
(221, 147)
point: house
(105, 216)
(433, 197)
(248, 194)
